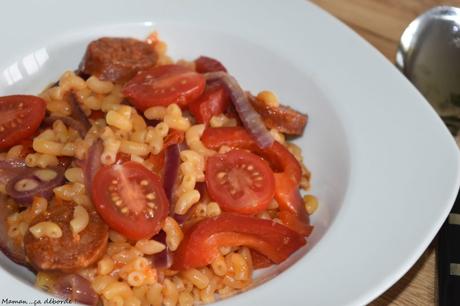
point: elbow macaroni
(46, 229)
(192, 137)
(80, 220)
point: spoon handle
(448, 258)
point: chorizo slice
(69, 252)
(283, 118)
(117, 59)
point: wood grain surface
(381, 22)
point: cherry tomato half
(130, 199)
(164, 85)
(240, 181)
(202, 240)
(20, 117)
(213, 101)
(286, 167)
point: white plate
(384, 167)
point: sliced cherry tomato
(240, 181)
(20, 117)
(237, 137)
(130, 199)
(287, 168)
(202, 240)
(164, 85)
(205, 64)
(173, 137)
(212, 102)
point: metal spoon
(429, 56)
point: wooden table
(382, 22)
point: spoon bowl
(429, 56)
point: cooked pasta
(103, 157)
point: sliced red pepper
(259, 261)
(203, 239)
(212, 102)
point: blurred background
(381, 22)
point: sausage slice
(283, 118)
(117, 59)
(67, 253)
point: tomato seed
(150, 196)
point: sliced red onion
(205, 64)
(181, 219)
(171, 170)
(92, 163)
(70, 122)
(12, 163)
(7, 246)
(162, 260)
(77, 112)
(75, 288)
(249, 117)
(10, 169)
(31, 182)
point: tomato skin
(205, 64)
(202, 240)
(234, 137)
(236, 188)
(129, 190)
(20, 117)
(157, 161)
(164, 85)
(97, 114)
(212, 102)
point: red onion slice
(162, 260)
(171, 170)
(10, 169)
(249, 117)
(70, 122)
(30, 183)
(77, 112)
(12, 163)
(205, 64)
(92, 163)
(75, 288)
